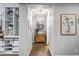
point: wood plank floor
(40, 49)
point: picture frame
(68, 25)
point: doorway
(39, 25)
(38, 19)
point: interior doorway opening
(38, 24)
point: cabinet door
(1, 49)
(1, 43)
(16, 21)
(16, 43)
(9, 21)
(15, 49)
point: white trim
(52, 53)
(11, 37)
(29, 51)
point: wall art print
(68, 24)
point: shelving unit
(11, 21)
(9, 44)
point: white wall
(25, 34)
(65, 45)
(50, 29)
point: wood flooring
(40, 49)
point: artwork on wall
(68, 24)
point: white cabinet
(15, 49)
(10, 26)
(11, 21)
(1, 49)
(1, 44)
(16, 43)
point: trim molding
(29, 51)
(50, 51)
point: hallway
(40, 49)
(57, 23)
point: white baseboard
(29, 51)
(50, 51)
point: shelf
(9, 20)
(11, 37)
(9, 44)
(8, 47)
(12, 21)
(9, 52)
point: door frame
(30, 18)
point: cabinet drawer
(40, 38)
(1, 43)
(16, 43)
(1, 49)
(15, 49)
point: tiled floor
(40, 49)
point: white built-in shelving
(10, 43)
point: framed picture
(68, 24)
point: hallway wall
(25, 33)
(50, 29)
(58, 44)
(65, 45)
